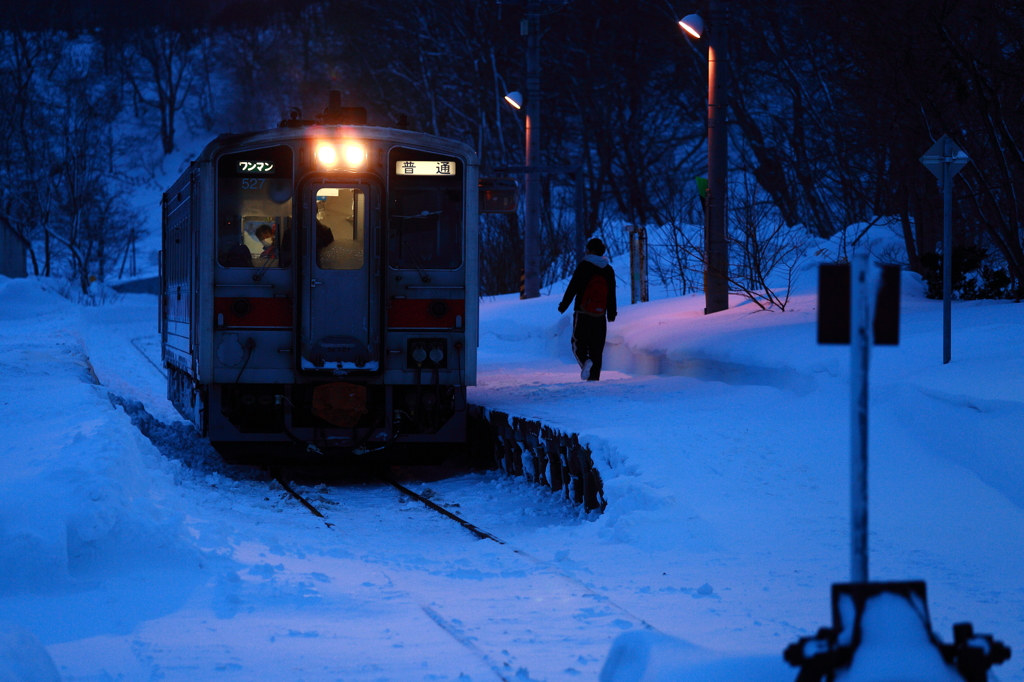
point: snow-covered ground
(722, 441)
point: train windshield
(254, 208)
(340, 228)
(425, 211)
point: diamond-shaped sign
(942, 152)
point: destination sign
(255, 166)
(446, 168)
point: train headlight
(354, 155)
(327, 155)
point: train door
(341, 319)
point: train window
(340, 228)
(426, 229)
(425, 217)
(254, 208)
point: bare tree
(765, 252)
(26, 59)
(90, 219)
(769, 252)
(159, 67)
(833, 105)
(63, 187)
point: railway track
(519, 608)
(456, 628)
(137, 345)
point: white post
(862, 291)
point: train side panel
(177, 290)
(180, 294)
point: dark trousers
(588, 334)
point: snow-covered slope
(722, 441)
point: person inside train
(339, 237)
(324, 236)
(265, 233)
(235, 256)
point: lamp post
(716, 248)
(531, 230)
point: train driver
(265, 233)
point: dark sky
(85, 15)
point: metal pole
(634, 264)
(579, 214)
(860, 351)
(124, 260)
(531, 236)
(947, 251)
(645, 295)
(716, 288)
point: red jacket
(590, 265)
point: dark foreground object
(888, 623)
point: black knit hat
(595, 246)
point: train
(319, 289)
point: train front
(344, 293)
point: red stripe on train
(427, 313)
(252, 312)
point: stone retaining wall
(539, 453)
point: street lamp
(515, 99)
(531, 228)
(692, 24)
(530, 27)
(716, 249)
(530, 287)
(534, 169)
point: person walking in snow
(593, 287)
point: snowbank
(722, 443)
(22, 657)
(645, 656)
(82, 492)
